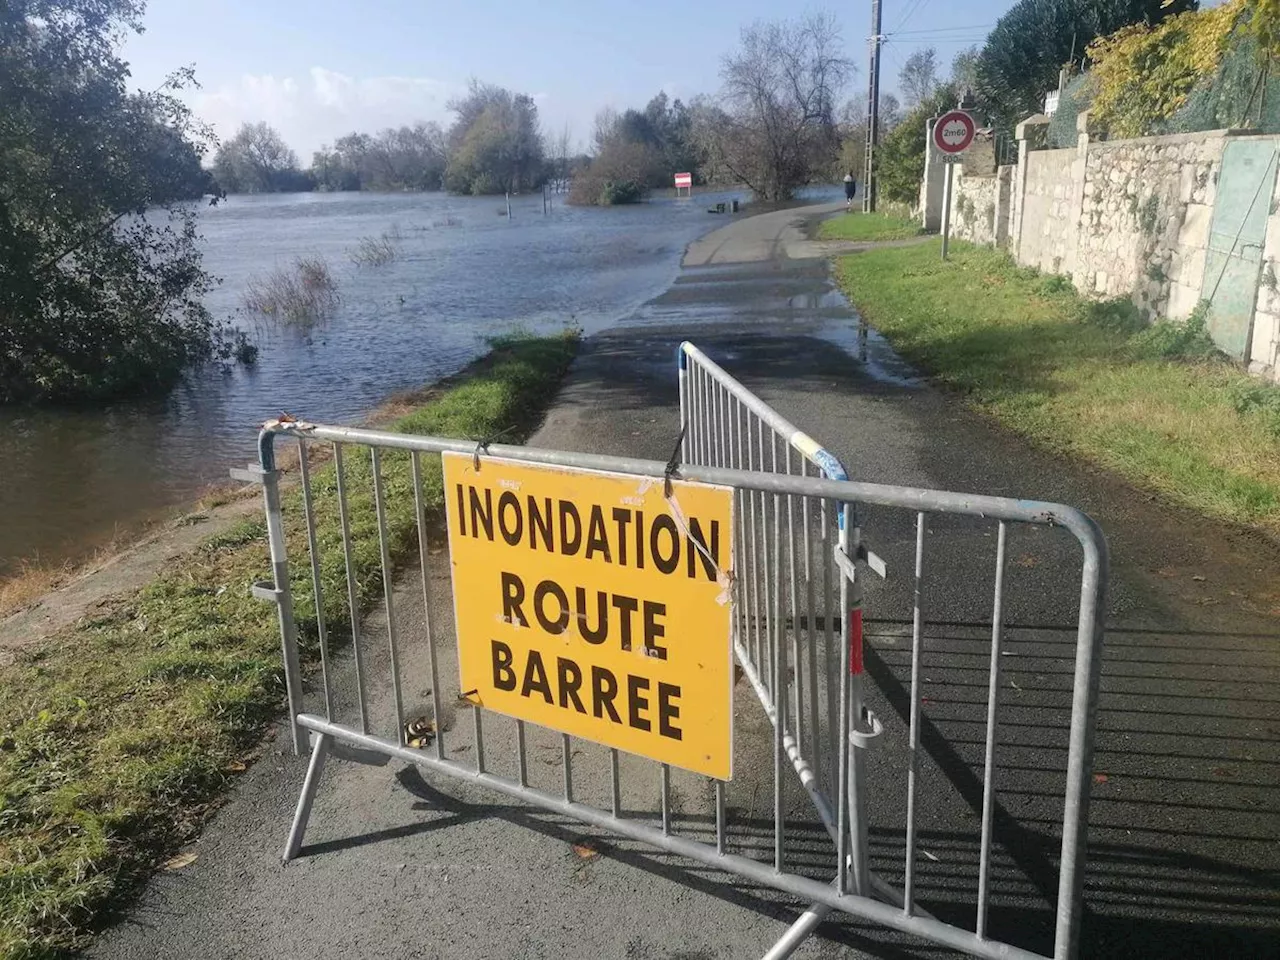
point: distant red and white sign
(953, 132)
(684, 180)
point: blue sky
(316, 69)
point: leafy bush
(1188, 340)
(900, 159)
(1117, 314)
(622, 191)
(1257, 399)
(1032, 41)
(101, 280)
(1144, 73)
(618, 175)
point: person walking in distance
(850, 189)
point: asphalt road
(1183, 854)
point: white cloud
(324, 105)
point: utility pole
(873, 114)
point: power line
(912, 8)
(967, 27)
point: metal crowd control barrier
(796, 633)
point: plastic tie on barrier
(674, 463)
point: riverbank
(1081, 378)
(121, 731)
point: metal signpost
(952, 135)
(684, 181)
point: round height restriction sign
(954, 132)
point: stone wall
(1046, 209)
(980, 208)
(1144, 221)
(1131, 218)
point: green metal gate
(1234, 261)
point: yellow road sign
(591, 604)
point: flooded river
(75, 479)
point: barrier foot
(319, 751)
(809, 921)
(798, 933)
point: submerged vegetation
(302, 293)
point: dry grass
(301, 294)
(28, 584)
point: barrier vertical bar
(522, 761)
(566, 752)
(666, 800)
(1084, 701)
(280, 575)
(313, 552)
(353, 604)
(721, 824)
(815, 733)
(682, 378)
(797, 685)
(832, 671)
(420, 519)
(615, 783)
(855, 718)
(989, 762)
(913, 769)
(388, 590)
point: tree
(891, 111)
(964, 71)
(673, 123)
(853, 133)
(774, 127)
(1036, 38)
(919, 77)
(101, 283)
(495, 142)
(257, 160)
(621, 173)
(900, 156)
(559, 151)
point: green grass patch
(118, 735)
(1154, 403)
(868, 226)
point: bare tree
(919, 77)
(775, 126)
(560, 156)
(606, 125)
(964, 71)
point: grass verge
(1152, 403)
(868, 226)
(119, 734)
